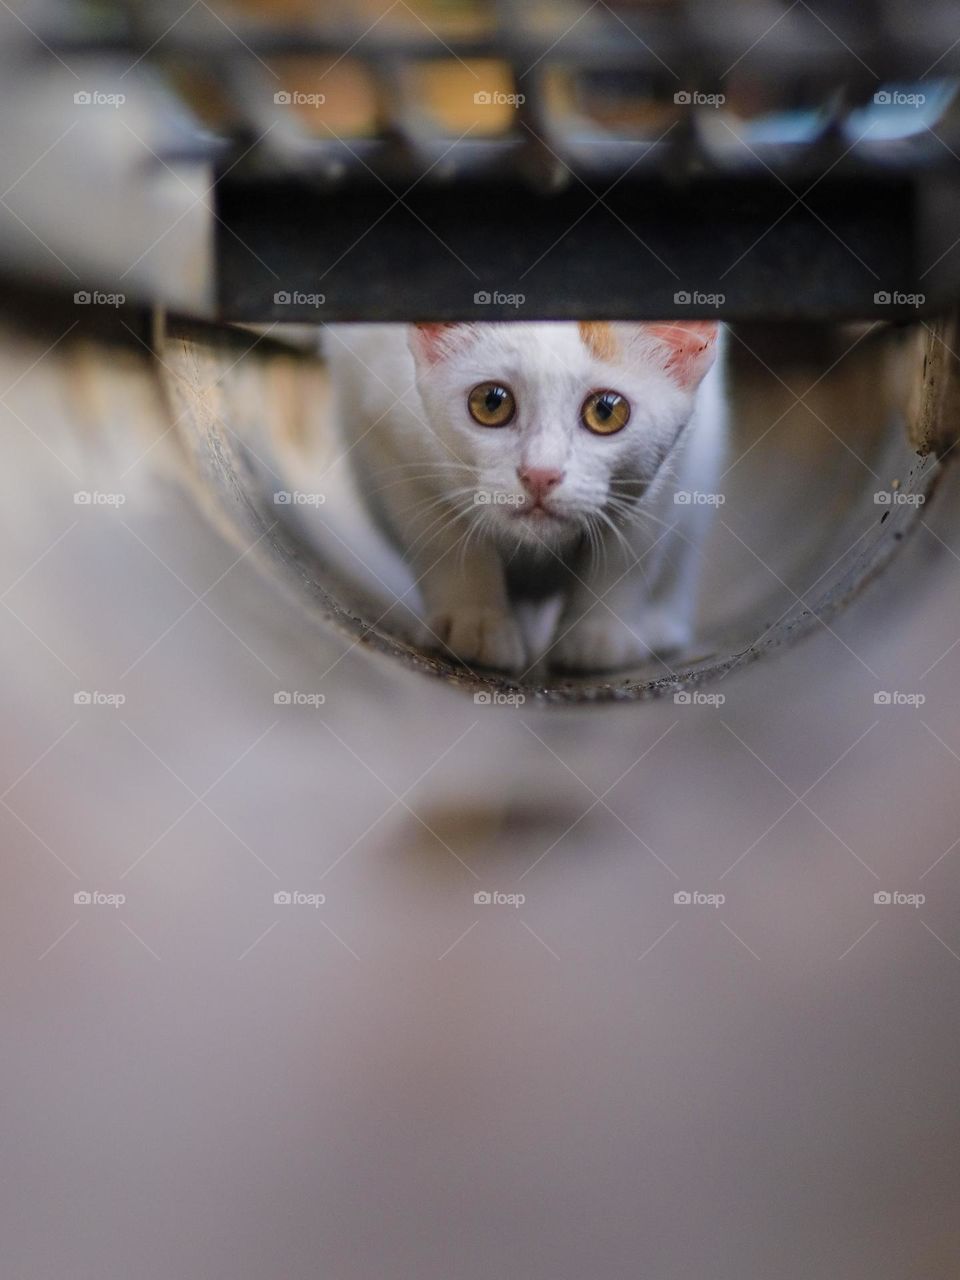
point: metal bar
(749, 254)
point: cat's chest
(537, 575)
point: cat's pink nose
(538, 481)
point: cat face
(548, 428)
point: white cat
(539, 457)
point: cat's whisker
(593, 534)
(424, 505)
(369, 493)
(621, 542)
(417, 477)
(412, 471)
(418, 543)
(480, 519)
(453, 516)
(618, 533)
(594, 542)
(640, 512)
(424, 462)
(483, 521)
(421, 470)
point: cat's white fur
(448, 490)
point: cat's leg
(648, 602)
(462, 582)
(607, 621)
(467, 610)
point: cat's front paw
(665, 629)
(481, 636)
(597, 643)
(601, 642)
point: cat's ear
(432, 342)
(685, 349)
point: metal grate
(771, 160)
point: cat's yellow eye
(605, 412)
(491, 404)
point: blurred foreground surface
(401, 1079)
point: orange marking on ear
(597, 336)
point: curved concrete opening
(835, 436)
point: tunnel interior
(827, 473)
